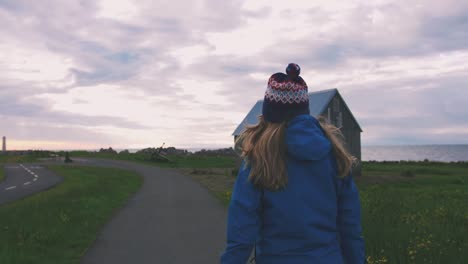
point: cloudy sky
(86, 74)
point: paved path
(22, 180)
(171, 219)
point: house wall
(340, 116)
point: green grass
(192, 161)
(6, 159)
(2, 173)
(58, 225)
(217, 181)
(417, 219)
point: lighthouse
(4, 145)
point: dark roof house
(327, 103)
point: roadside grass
(6, 159)
(218, 181)
(177, 161)
(58, 225)
(2, 172)
(203, 162)
(417, 217)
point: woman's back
(314, 217)
(300, 219)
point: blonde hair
(264, 148)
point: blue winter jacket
(315, 219)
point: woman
(294, 199)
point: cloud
(21, 108)
(145, 72)
(447, 33)
(414, 111)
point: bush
(407, 173)
(458, 181)
(202, 171)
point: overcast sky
(136, 73)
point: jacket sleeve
(243, 221)
(349, 222)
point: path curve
(170, 220)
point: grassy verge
(58, 225)
(411, 212)
(5, 159)
(218, 181)
(191, 161)
(2, 173)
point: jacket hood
(305, 139)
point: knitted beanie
(286, 96)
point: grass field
(411, 212)
(58, 225)
(420, 219)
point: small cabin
(331, 105)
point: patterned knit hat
(286, 96)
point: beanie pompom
(293, 70)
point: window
(336, 104)
(339, 120)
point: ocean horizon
(431, 152)
(434, 152)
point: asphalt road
(22, 180)
(170, 220)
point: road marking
(32, 172)
(10, 188)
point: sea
(444, 153)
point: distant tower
(4, 144)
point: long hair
(264, 148)
(344, 160)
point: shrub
(407, 173)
